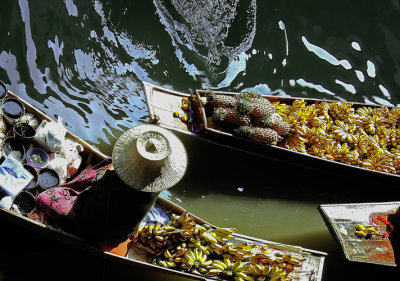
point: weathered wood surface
(341, 219)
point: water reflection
(220, 32)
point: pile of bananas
(367, 137)
(365, 232)
(183, 244)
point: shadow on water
(222, 169)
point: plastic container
(24, 131)
(12, 109)
(37, 158)
(25, 202)
(3, 91)
(33, 183)
(15, 147)
(48, 178)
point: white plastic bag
(50, 135)
(70, 151)
(60, 165)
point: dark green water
(85, 60)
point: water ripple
(204, 29)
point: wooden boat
(129, 254)
(162, 103)
(342, 220)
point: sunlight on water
(323, 54)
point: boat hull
(163, 102)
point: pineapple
(230, 115)
(276, 122)
(281, 127)
(257, 107)
(264, 135)
(220, 100)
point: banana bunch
(285, 261)
(228, 251)
(183, 244)
(150, 237)
(251, 251)
(184, 222)
(164, 263)
(196, 260)
(154, 238)
(224, 234)
(230, 269)
(261, 254)
(176, 254)
(261, 271)
(198, 243)
(365, 232)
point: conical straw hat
(149, 158)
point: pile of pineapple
(366, 137)
(183, 244)
(252, 116)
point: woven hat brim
(136, 174)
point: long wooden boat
(137, 258)
(163, 103)
(346, 220)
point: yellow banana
(159, 238)
(252, 270)
(289, 266)
(189, 255)
(225, 231)
(171, 264)
(227, 262)
(150, 228)
(162, 263)
(168, 227)
(236, 265)
(196, 254)
(210, 237)
(371, 231)
(156, 229)
(219, 264)
(167, 254)
(266, 270)
(241, 267)
(279, 272)
(241, 274)
(178, 259)
(203, 270)
(213, 272)
(186, 234)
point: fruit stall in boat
(174, 241)
(365, 231)
(345, 139)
